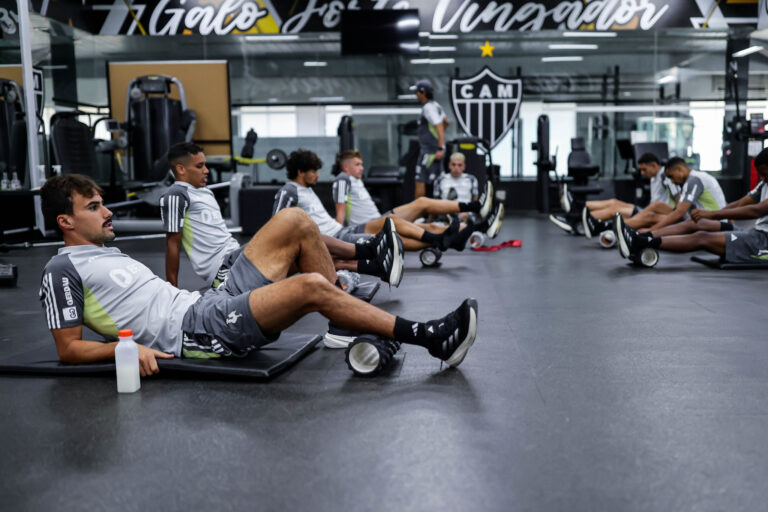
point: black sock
(368, 267)
(655, 242)
(460, 240)
(430, 238)
(473, 206)
(364, 251)
(414, 333)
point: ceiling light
(322, 99)
(406, 96)
(666, 79)
(572, 58)
(407, 23)
(747, 51)
(276, 37)
(573, 47)
(443, 36)
(589, 33)
(433, 61)
(437, 48)
(423, 34)
(315, 63)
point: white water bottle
(15, 184)
(5, 184)
(127, 363)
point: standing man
(432, 125)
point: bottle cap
(125, 333)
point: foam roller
(369, 354)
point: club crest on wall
(486, 105)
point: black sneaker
(339, 337)
(390, 257)
(453, 335)
(369, 248)
(494, 221)
(460, 240)
(592, 226)
(449, 235)
(630, 242)
(561, 222)
(486, 200)
(566, 199)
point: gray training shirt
(204, 235)
(760, 194)
(107, 290)
(360, 207)
(293, 194)
(461, 189)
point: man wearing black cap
(432, 125)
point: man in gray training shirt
(89, 284)
(709, 230)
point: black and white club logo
(486, 105)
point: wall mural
(221, 17)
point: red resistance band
(508, 243)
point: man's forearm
(669, 219)
(172, 266)
(84, 351)
(752, 211)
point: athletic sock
(473, 206)
(460, 240)
(431, 238)
(368, 267)
(364, 251)
(655, 242)
(407, 331)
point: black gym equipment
(346, 133)
(719, 263)
(9, 275)
(430, 257)
(261, 364)
(544, 164)
(154, 123)
(366, 289)
(369, 354)
(13, 130)
(646, 258)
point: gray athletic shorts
(220, 323)
(226, 265)
(427, 168)
(746, 246)
(352, 234)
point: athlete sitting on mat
(88, 283)
(456, 185)
(705, 229)
(355, 206)
(597, 216)
(192, 218)
(302, 168)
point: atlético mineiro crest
(486, 105)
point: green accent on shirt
(433, 131)
(348, 212)
(708, 201)
(95, 316)
(187, 237)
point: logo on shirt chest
(124, 277)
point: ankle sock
(473, 206)
(407, 331)
(430, 238)
(364, 251)
(655, 242)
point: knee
(298, 220)
(422, 202)
(315, 288)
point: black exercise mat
(366, 290)
(716, 262)
(260, 364)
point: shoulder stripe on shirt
(54, 321)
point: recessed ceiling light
(589, 33)
(275, 37)
(573, 47)
(315, 63)
(571, 58)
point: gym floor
(592, 385)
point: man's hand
(148, 360)
(697, 214)
(439, 154)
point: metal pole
(33, 158)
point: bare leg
(339, 249)
(410, 233)
(424, 206)
(701, 240)
(290, 240)
(689, 226)
(419, 190)
(644, 219)
(602, 204)
(279, 305)
(608, 212)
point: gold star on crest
(487, 50)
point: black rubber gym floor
(592, 385)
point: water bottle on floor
(127, 363)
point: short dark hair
(648, 158)
(56, 195)
(761, 158)
(180, 151)
(302, 160)
(349, 154)
(675, 161)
